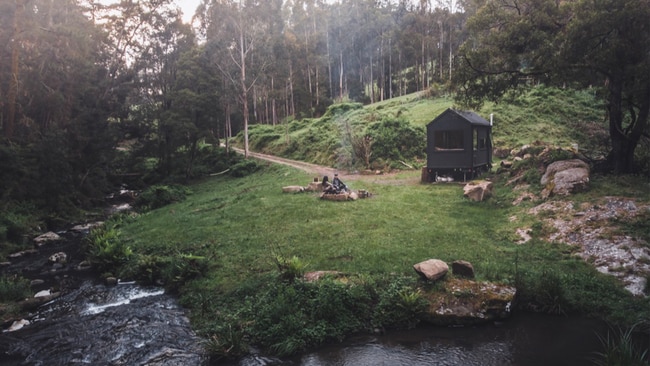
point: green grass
(239, 227)
(241, 222)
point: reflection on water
(524, 340)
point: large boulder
(466, 302)
(478, 190)
(565, 177)
(432, 269)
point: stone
(46, 238)
(462, 268)
(345, 196)
(565, 177)
(43, 293)
(432, 269)
(84, 266)
(478, 190)
(111, 281)
(314, 187)
(84, 228)
(317, 275)
(18, 324)
(466, 302)
(506, 164)
(293, 189)
(33, 303)
(36, 282)
(23, 253)
(59, 257)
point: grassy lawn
(243, 223)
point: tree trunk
(625, 141)
(13, 82)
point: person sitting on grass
(328, 187)
(338, 184)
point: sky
(188, 7)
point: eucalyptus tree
(604, 44)
(238, 34)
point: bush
(106, 250)
(396, 139)
(161, 195)
(14, 288)
(542, 291)
(244, 168)
(400, 305)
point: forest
(94, 95)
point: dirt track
(320, 170)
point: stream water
(523, 340)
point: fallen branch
(224, 172)
(409, 166)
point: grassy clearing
(241, 241)
(243, 225)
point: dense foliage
(581, 44)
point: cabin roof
(470, 117)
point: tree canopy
(603, 45)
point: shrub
(290, 268)
(244, 168)
(542, 291)
(399, 306)
(183, 268)
(161, 195)
(106, 250)
(13, 288)
(396, 139)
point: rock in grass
(462, 269)
(293, 189)
(432, 269)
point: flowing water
(97, 325)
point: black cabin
(459, 145)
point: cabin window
(448, 140)
(475, 139)
(480, 142)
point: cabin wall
(454, 156)
(468, 146)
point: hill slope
(397, 128)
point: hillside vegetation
(235, 248)
(562, 117)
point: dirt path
(317, 170)
(320, 170)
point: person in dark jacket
(338, 184)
